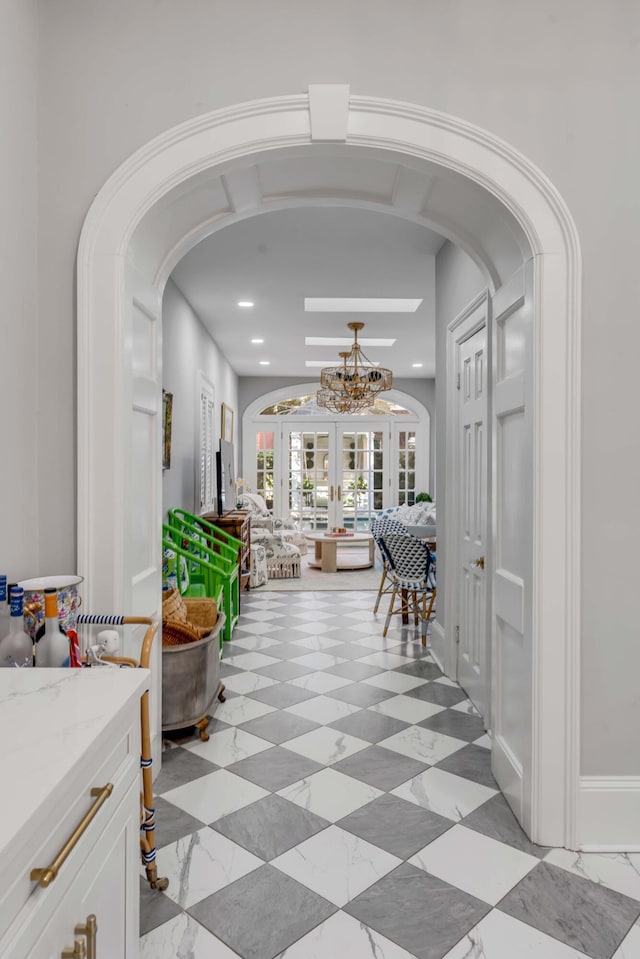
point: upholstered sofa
(263, 518)
(419, 518)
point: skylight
(345, 341)
(359, 304)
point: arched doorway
(140, 225)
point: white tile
(395, 682)
(343, 936)
(362, 615)
(323, 709)
(229, 746)
(442, 792)
(483, 867)
(215, 795)
(201, 864)
(336, 864)
(253, 643)
(247, 682)
(425, 745)
(240, 709)
(317, 643)
(484, 741)
(365, 628)
(326, 745)
(376, 641)
(259, 615)
(629, 948)
(314, 628)
(466, 706)
(445, 681)
(499, 936)
(406, 708)
(619, 871)
(320, 682)
(318, 616)
(255, 629)
(386, 660)
(251, 660)
(329, 794)
(183, 936)
(317, 660)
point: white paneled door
(472, 527)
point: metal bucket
(190, 679)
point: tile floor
(344, 807)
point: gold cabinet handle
(479, 563)
(44, 877)
(339, 493)
(78, 951)
(331, 494)
(90, 930)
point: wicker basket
(175, 633)
(200, 614)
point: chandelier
(354, 385)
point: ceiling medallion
(354, 385)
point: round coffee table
(329, 560)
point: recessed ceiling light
(333, 362)
(265, 363)
(345, 341)
(245, 303)
(257, 341)
(359, 304)
(416, 365)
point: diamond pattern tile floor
(344, 806)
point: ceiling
(278, 258)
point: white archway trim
(215, 141)
(253, 410)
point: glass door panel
(406, 467)
(265, 475)
(309, 483)
(360, 483)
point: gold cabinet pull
(339, 493)
(90, 930)
(479, 563)
(44, 877)
(331, 494)
(78, 951)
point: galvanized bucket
(190, 679)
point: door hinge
(458, 381)
(457, 635)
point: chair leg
(416, 608)
(424, 619)
(389, 611)
(380, 590)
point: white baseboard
(609, 814)
(437, 633)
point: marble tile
(229, 746)
(445, 681)
(347, 650)
(369, 725)
(395, 825)
(254, 629)
(315, 660)
(336, 864)
(172, 823)
(376, 641)
(438, 693)
(411, 646)
(484, 742)
(580, 913)
(495, 819)
(284, 670)
(213, 796)
(183, 937)
(406, 708)
(483, 867)
(630, 947)
(326, 746)
(441, 792)
(240, 709)
(471, 762)
(619, 871)
(314, 628)
(252, 643)
(499, 936)
(384, 660)
(248, 682)
(424, 669)
(281, 695)
(320, 682)
(226, 670)
(451, 723)
(354, 669)
(367, 627)
(379, 767)
(359, 694)
(428, 916)
(179, 766)
(248, 660)
(343, 936)
(316, 643)
(330, 794)
(201, 864)
(276, 768)
(281, 910)
(422, 744)
(323, 709)
(290, 650)
(155, 908)
(278, 727)
(395, 682)
(269, 827)
(466, 706)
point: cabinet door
(106, 885)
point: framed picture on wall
(226, 429)
(167, 412)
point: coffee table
(329, 559)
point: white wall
(25, 410)
(557, 81)
(186, 349)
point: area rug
(314, 579)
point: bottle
(16, 646)
(52, 647)
(4, 608)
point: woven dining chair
(380, 525)
(411, 568)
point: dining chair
(411, 575)
(380, 525)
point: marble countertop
(49, 719)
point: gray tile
(399, 827)
(580, 913)
(262, 914)
(182, 737)
(424, 915)
(471, 762)
(495, 819)
(437, 693)
(279, 727)
(380, 767)
(370, 726)
(287, 650)
(452, 723)
(359, 694)
(354, 670)
(269, 827)
(348, 650)
(283, 671)
(282, 695)
(275, 768)
(180, 766)
(225, 669)
(155, 908)
(423, 669)
(411, 646)
(173, 823)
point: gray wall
(559, 82)
(188, 348)
(458, 281)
